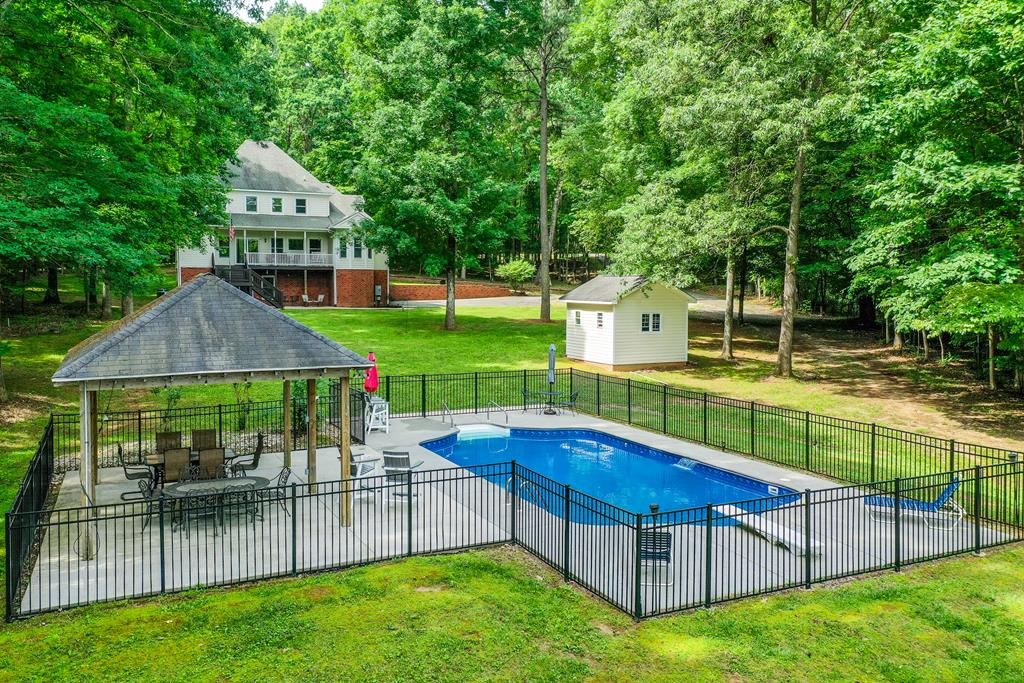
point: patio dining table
(183, 489)
(550, 397)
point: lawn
(498, 615)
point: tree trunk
(730, 276)
(888, 331)
(87, 289)
(898, 343)
(127, 304)
(784, 365)
(924, 345)
(942, 346)
(106, 308)
(743, 283)
(543, 272)
(449, 274)
(991, 357)
(463, 276)
(52, 288)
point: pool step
(775, 532)
(482, 431)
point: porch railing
(260, 259)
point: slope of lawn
(498, 615)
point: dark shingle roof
(204, 327)
(262, 165)
(604, 289)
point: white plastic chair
(378, 415)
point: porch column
(286, 426)
(311, 431)
(305, 262)
(345, 450)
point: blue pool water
(621, 472)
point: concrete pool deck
(455, 509)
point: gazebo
(207, 332)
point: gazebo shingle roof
(204, 327)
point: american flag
(231, 230)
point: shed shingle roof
(609, 289)
(204, 327)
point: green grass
(499, 616)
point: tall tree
(433, 169)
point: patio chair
(241, 499)
(378, 414)
(211, 463)
(655, 557)
(364, 481)
(143, 474)
(942, 513)
(200, 504)
(397, 481)
(569, 404)
(277, 493)
(202, 439)
(319, 299)
(399, 460)
(166, 441)
(240, 469)
(305, 299)
(176, 464)
(151, 497)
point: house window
(577, 317)
(300, 206)
(357, 249)
(250, 203)
(600, 320)
(295, 244)
(223, 248)
(369, 253)
(314, 246)
(278, 246)
(650, 322)
(277, 205)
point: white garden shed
(627, 322)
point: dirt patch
(20, 408)
(603, 628)
(437, 588)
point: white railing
(286, 259)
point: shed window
(577, 317)
(650, 322)
(600, 320)
(277, 205)
(250, 203)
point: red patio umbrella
(371, 382)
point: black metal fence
(645, 564)
(699, 556)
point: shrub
(515, 273)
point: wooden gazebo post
(88, 463)
(345, 450)
(311, 433)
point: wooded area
(844, 154)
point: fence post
(952, 455)
(705, 417)
(387, 388)
(896, 529)
(9, 566)
(408, 516)
(220, 425)
(476, 392)
(572, 383)
(514, 493)
(638, 609)
(139, 425)
(807, 440)
(874, 438)
(807, 538)
(598, 392)
(163, 558)
(295, 536)
(629, 401)
(525, 387)
(753, 433)
(664, 408)
(423, 394)
(708, 512)
(565, 536)
(977, 509)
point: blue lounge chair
(943, 512)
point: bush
(515, 273)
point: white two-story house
(292, 230)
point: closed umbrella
(371, 382)
(551, 380)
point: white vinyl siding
(316, 205)
(665, 337)
(587, 341)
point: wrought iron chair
(176, 463)
(134, 474)
(569, 404)
(277, 493)
(200, 504)
(204, 439)
(151, 497)
(211, 461)
(240, 469)
(241, 500)
(166, 441)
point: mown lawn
(498, 615)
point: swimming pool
(624, 473)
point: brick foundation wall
(355, 288)
(317, 282)
(463, 290)
(189, 273)
(380, 277)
